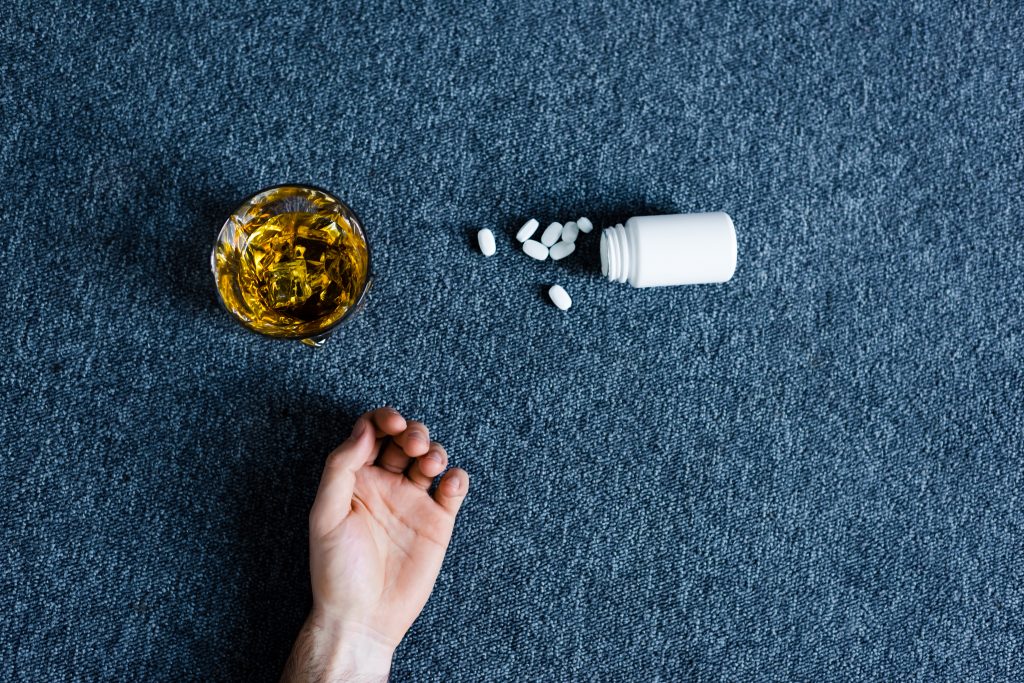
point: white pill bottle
(679, 249)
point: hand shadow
(286, 445)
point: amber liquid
(291, 264)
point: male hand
(377, 538)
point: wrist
(336, 650)
(351, 648)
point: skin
(377, 537)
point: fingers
(389, 422)
(409, 451)
(334, 496)
(452, 490)
(415, 440)
(422, 470)
(393, 458)
(386, 421)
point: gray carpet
(810, 473)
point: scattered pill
(584, 224)
(570, 231)
(535, 249)
(551, 234)
(561, 250)
(560, 297)
(526, 232)
(485, 238)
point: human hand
(376, 542)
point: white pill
(485, 238)
(570, 231)
(551, 234)
(526, 232)
(561, 250)
(535, 249)
(585, 224)
(560, 297)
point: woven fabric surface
(812, 472)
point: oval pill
(526, 232)
(584, 224)
(551, 234)
(535, 249)
(561, 250)
(485, 238)
(560, 297)
(570, 231)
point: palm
(376, 560)
(391, 545)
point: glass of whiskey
(292, 262)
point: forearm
(325, 652)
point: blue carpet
(813, 472)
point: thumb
(334, 497)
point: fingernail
(417, 437)
(453, 485)
(358, 428)
(434, 457)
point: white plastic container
(679, 249)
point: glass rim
(355, 308)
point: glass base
(317, 341)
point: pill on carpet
(551, 234)
(485, 238)
(570, 231)
(561, 250)
(535, 249)
(584, 224)
(526, 232)
(560, 297)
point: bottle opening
(615, 254)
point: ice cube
(288, 283)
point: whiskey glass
(292, 262)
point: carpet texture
(813, 472)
